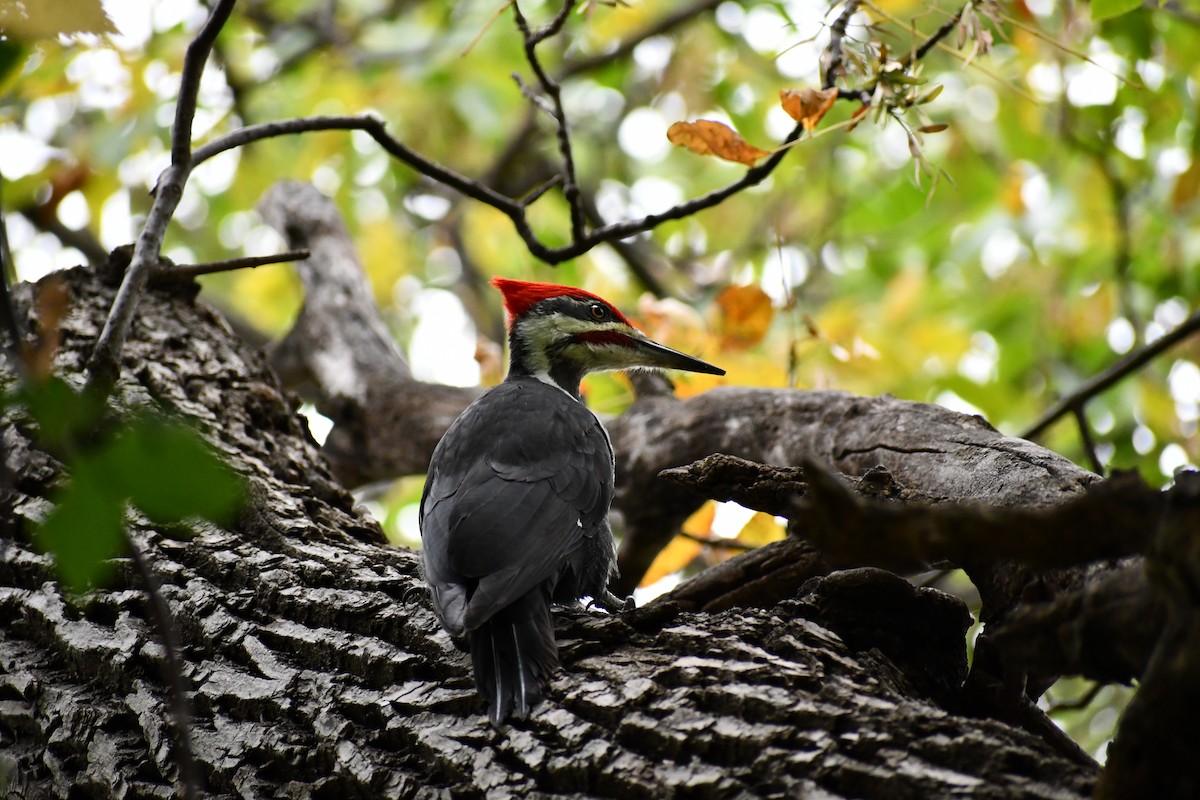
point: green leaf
(61, 413)
(85, 530)
(13, 56)
(170, 473)
(1107, 9)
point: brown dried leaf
(709, 138)
(807, 106)
(914, 147)
(935, 128)
(857, 116)
(52, 303)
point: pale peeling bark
(318, 670)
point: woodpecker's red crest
(520, 296)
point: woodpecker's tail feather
(513, 654)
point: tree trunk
(316, 668)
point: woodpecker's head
(561, 333)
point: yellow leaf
(1010, 190)
(760, 530)
(48, 19)
(746, 314)
(709, 138)
(675, 556)
(700, 523)
(807, 106)
(896, 6)
(682, 551)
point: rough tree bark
(316, 667)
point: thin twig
(104, 365)
(180, 709)
(637, 253)
(554, 92)
(834, 55)
(627, 46)
(728, 544)
(1083, 701)
(1089, 444)
(533, 196)
(936, 37)
(230, 264)
(486, 26)
(81, 239)
(1113, 374)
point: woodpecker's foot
(613, 604)
(415, 591)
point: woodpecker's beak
(656, 355)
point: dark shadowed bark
(316, 668)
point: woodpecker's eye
(598, 311)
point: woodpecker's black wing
(517, 485)
(516, 499)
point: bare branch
(932, 41)
(228, 265)
(513, 209)
(533, 196)
(626, 47)
(713, 541)
(81, 239)
(833, 56)
(1118, 371)
(1089, 444)
(554, 93)
(104, 364)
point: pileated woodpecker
(515, 509)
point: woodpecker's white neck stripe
(544, 377)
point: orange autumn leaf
(807, 106)
(709, 138)
(746, 314)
